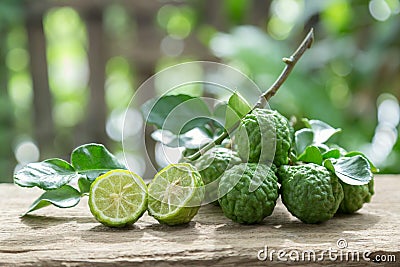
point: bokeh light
(171, 46)
(26, 151)
(131, 119)
(167, 155)
(287, 10)
(285, 14)
(20, 90)
(67, 113)
(337, 16)
(386, 133)
(17, 59)
(135, 162)
(379, 9)
(165, 81)
(279, 29)
(117, 20)
(68, 64)
(119, 82)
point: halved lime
(175, 194)
(118, 198)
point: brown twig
(290, 63)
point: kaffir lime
(310, 192)
(248, 192)
(264, 137)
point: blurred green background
(69, 68)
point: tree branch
(290, 63)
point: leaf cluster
(65, 183)
(313, 144)
(187, 121)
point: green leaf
(47, 175)
(322, 131)
(63, 197)
(231, 118)
(303, 138)
(351, 170)
(311, 155)
(239, 104)
(156, 110)
(342, 151)
(237, 108)
(322, 147)
(84, 185)
(219, 113)
(374, 169)
(87, 163)
(194, 123)
(93, 160)
(89, 160)
(176, 113)
(329, 165)
(332, 153)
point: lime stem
(290, 63)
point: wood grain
(72, 237)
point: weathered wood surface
(72, 237)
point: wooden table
(72, 237)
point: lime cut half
(118, 198)
(175, 194)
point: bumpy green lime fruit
(264, 137)
(310, 192)
(211, 166)
(355, 196)
(248, 192)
